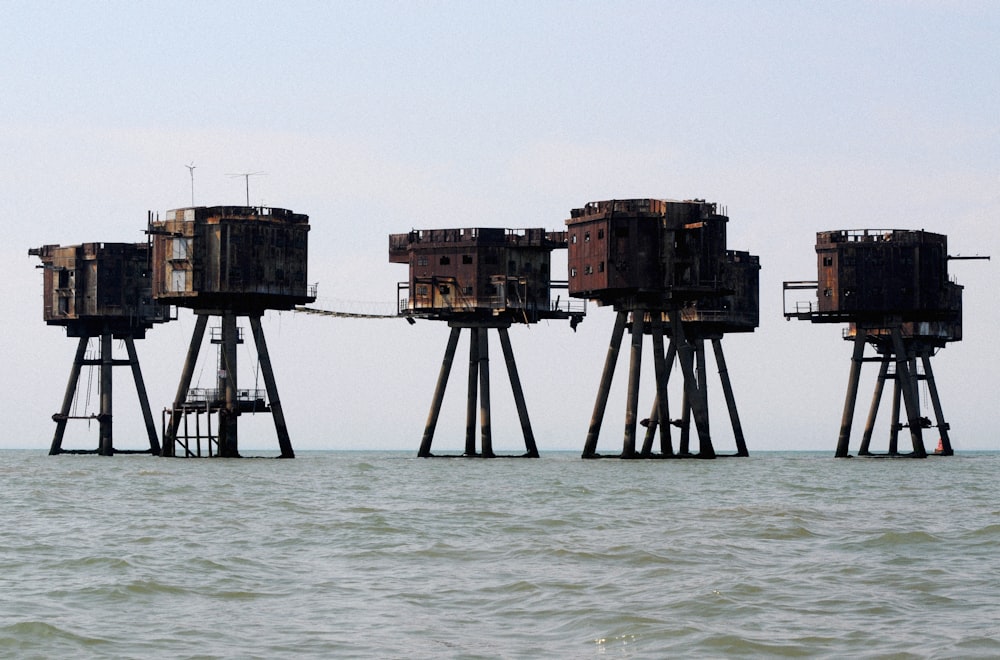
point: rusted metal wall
(870, 273)
(471, 271)
(98, 284)
(207, 257)
(663, 253)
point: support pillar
(281, 429)
(170, 437)
(906, 380)
(63, 415)
(727, 389)
(873, 410)
(515, 385)
(439, 389)
(942, 425)
(634, 371)
(485, 425)
(105, 448)
(843, 442)
(228, 424)
(140, 387)
(470, 403)
(590, 446)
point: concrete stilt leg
(873, 409)
(843, 442)
(485, 424)
(635, 365)
(727, 389)
(106, 447)
(515, 385)
(280, 427)
(907, 383)
(74, 379)
(140, 388)
(946, 449)
(590, 446)
(439, 389)
(470, 404)
(170, 437)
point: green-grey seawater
(383, 555)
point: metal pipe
(439, 389)
(590, 446)
(280, 427)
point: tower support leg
(280, 427)
(106, 447)
(907, 381)
(170, 437)
(894, 428)
(229, 424)
(942, 425)
(727, 389)
(471, 400)
(439, 389)
(873, 410)
(661, 369)
(140, 388)
(485, 426)
(843, 442)
(693, 384)
(515, 385)
(634, 371)
(685, 440)
(74, 379)
(590, 446)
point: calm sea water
(357, 554)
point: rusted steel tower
(480, 279)
(100, 290)
(228, 261)
(892, 287)
(665, 268)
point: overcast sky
(375, 118)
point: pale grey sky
(379, 117)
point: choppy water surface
(353, 554)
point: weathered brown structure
(892, 287)
(228, 261)
(665, 267)
(100, 290)
(480, 279)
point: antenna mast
(246, 177)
